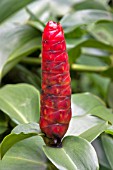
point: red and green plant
(87, 144)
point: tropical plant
(89, 38)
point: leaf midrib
(28, 160)
(74, 166)
(69, 159)
(19, 113)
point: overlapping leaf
(108, 148)
(27, 155)
(20, 102)
(19, 133)
(85, 17)
(76, 153)
(15, 44)
(84, 123)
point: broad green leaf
(102, 31)
(26, 155)
(75, 153)
(87, 103)
(19, 133)
(16, 43)
(94, 57)
(110, 94)
(5, 5)
(101, 154)
(87, 4)
(108, 148)
(95, 52)
(74, 46)
(84, 123)
(90, 60)
(83, 103)
(20, 102)
(81, 124)
(20, 15)
(59, 7)
(94, 132)
(102, 113)
(87, 42)
(85, 17)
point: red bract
(56, 90)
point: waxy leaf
(82, 124)
(108, 148)
(5, 5)
(84, 102)
(75, 153)
(92, 133)
(102, 31)
(19, 133)
(82, 17)
(101, 154)
(26, 155)
(90, 116)
(16, 43)
(20, 102)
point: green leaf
(74, 46)
(87, 103)
(20, 102)
(19, 133)
(16, 43)
(94, 132)
(108, 148)
(76, 153)
(81, 124)
(110, 94)
(36, 25)
(102, 113)
(102, 31)
(85, 107)
(87, 42)
(85, 17)
(101, 154)
(5, 5)
(26, 155)
(87, 4)
(83, 103)
(90, 61)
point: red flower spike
(56, 90)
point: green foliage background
(88, 28)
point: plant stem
(79, 67)
(29, 60)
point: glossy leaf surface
(79, 155)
